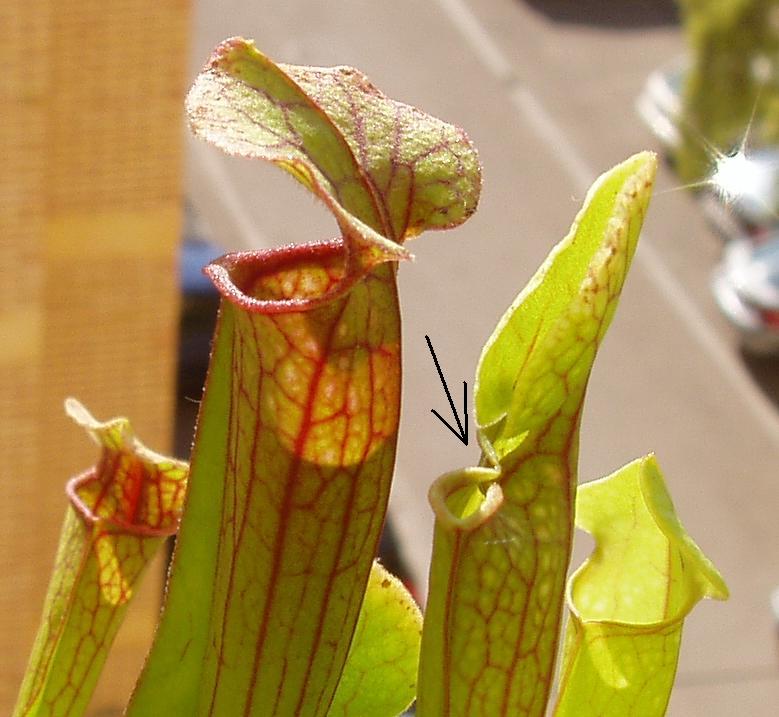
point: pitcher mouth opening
(285, 279)
(85, 492)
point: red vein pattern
(392, 166)
(296, 435)
(497, 580)
(520, 554)
(310, 450)
(121, 510)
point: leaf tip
(79, 413)
(659, 503)
(114, 432)
(225, 52)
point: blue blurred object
(195, 254)
(199, 304)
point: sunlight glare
(736, 175)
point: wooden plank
(90, 211)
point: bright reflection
(736, 175)
(750, 182)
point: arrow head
(462, 427)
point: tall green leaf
(503, 530)
(295, 444)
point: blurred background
(108, 210)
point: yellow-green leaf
(380, 675)
(629, 599)
(503, 531)
(544, 345)
(120, 512)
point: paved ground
(546, 90)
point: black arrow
(462, 434)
